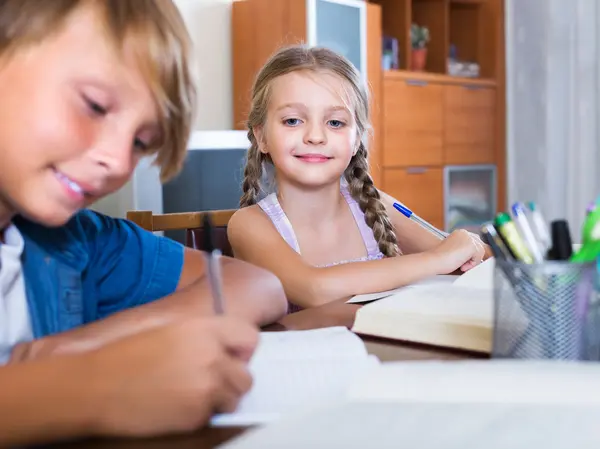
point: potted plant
(419, 37)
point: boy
(87, 88)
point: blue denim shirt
(92, 267)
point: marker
(213, 264)
(562, 246)
(490, 236)
(590, 208)
(540, 226)
(506, 227)
(529, 238)
(590, 248)
(410, 215)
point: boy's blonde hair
(160, 41)
(362, 189)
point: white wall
(209, 23)
(553, 99)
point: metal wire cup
(546, 311)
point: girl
(307, 128)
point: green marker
(506, 227)
(590, 248)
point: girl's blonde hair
(360, 183)
(156, 32)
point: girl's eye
(95, 108)
(336, 124)
(292, 122)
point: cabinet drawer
(420, 188)
(412, 123)
(469, 131)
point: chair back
(191, 222)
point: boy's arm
(44, 401)
(142, 281)
(126, 388)
(250, 293)
(129, 267)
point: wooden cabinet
(424, 123)
(412, 122)
(434, 120)
(430, 123)
(420, 189)
(470, 116)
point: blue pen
(410, 215)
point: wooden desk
(334, 314)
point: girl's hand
(460, 250)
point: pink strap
(365, 231)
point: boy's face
(75, 117)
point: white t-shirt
(15, 322)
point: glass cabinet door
(341, 26)
(469, 197)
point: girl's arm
(413, 238)
(255, 239)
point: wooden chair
(191, 222)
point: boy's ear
(259, 136)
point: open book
(298, 370)
(457, 314)
(470, 404)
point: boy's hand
(171, 379)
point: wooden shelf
(467, 2)
(438, 78)
(469, 25)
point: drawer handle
(416, 170)
(416, 82)
(472, 87)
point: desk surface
(334, 314)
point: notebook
(439, 405)
(456, 315)
(299, 370)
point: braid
(252, 173)
(364, 192)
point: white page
(469, 405)
(325, 343)
(456, 303)
(495, 381)
(434, 280)
(293, 386)
(298, 370)
(385, 425)
(481, 276)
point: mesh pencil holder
(546, 311)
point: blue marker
(410, 215)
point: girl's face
(310, 132)
(75, 117)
